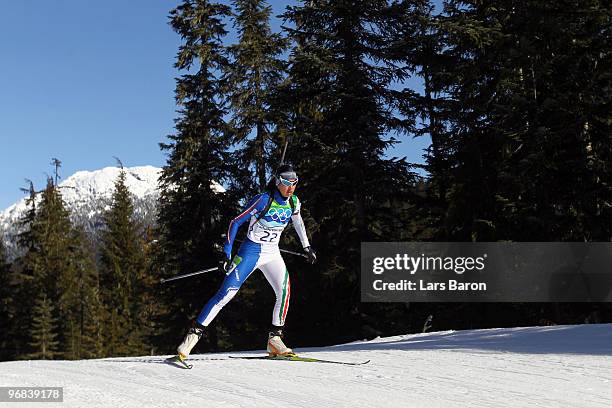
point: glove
(312, 256)
(227, 250)
(218, 248)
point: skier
(268, 215)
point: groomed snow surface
(558, 366)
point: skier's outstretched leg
(277, 275)
(242, 266)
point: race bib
(264, 235)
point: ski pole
(294, 253)
(284, 250)
(189, 274)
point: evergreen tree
(560, 135)
(153, 309)
(254, 74)
(25, 237)
(525, 84)
(46, 269)
(94, 318)
(415, 49)
(193, 213)
(52, 232)
(339, 94)
(90, 310)
(123, 268)
(255, 70)
(44, 330)
(53, 270)
(27, 275)
(520, 85)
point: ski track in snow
(561, 366)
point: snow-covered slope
(562, 366)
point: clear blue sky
(85, 81)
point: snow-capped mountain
(88, 193)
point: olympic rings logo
(279, 214)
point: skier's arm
(298, 223)
(252, 208)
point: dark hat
(286, 171)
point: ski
(177, 362)
(298, 358)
